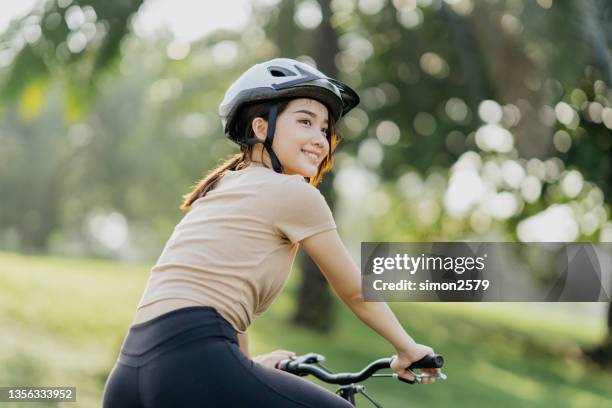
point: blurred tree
(74, 40)
(315, 305)
(69, 41)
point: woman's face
(300, 139)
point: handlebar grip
(430, 361)
(288, 365)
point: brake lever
(308, 358)
(418, 377)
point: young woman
(231, 254)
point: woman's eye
(305, 120)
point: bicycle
(310, 363)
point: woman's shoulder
(295, 184)
(273, 179)
(281, 187)
(296, 192)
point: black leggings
(190, 358)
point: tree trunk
(602, 354)
(509, 70)
(315, 304)
(37, 224)
(315, 308)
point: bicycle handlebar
(303, 365)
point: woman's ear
(260, 128)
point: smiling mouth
(312, 156)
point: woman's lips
(314, 157)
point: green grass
(63, 321)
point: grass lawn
(63, 321)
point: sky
(188, 20)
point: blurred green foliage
(100, 124)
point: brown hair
(242, 159)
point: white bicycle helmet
(281, 78)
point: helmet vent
(280, 72)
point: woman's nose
(320, 140)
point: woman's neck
(256, 163)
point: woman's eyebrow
(314, 115)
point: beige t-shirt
(235, 248)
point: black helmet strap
(278, 167)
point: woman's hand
(270, 359)
(404, 359)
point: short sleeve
(301, 211)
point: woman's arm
(268, 359)
(333, 259)
(243, 342)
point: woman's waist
(161, 307)
(167, 331)
(236, 308)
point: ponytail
(236, 162)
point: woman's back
(235, 248)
